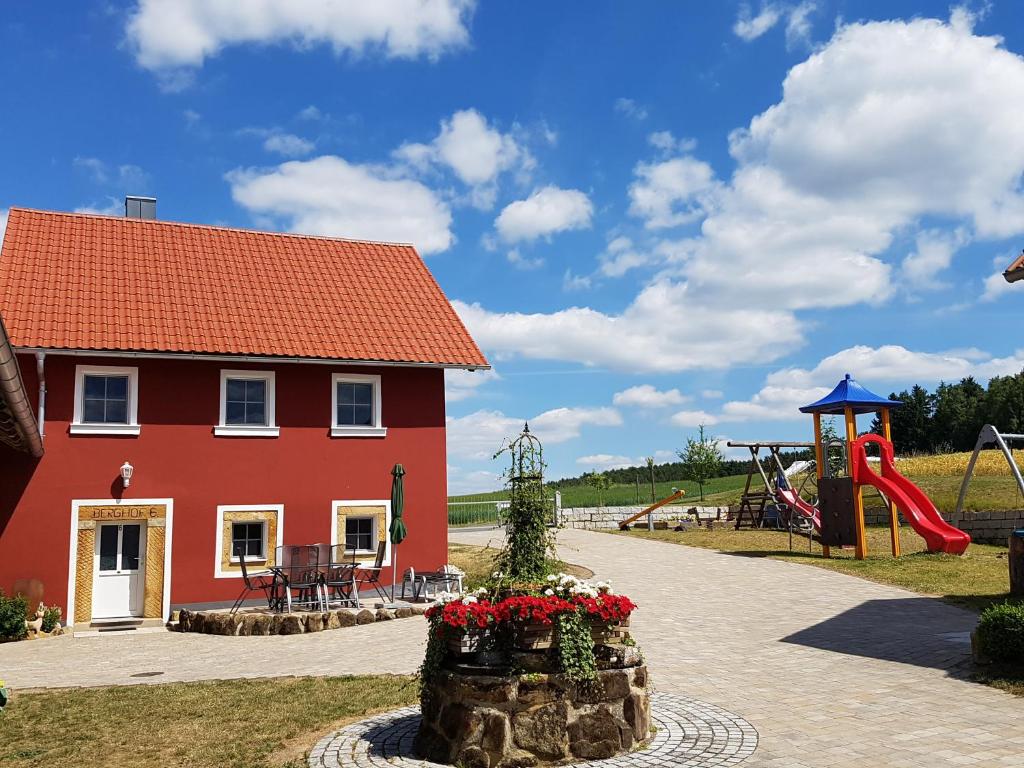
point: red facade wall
(177, 456)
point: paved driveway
(831, 670)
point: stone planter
(491, 721)
(473, 641)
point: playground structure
(850, 399)
(754, 504)
(989, 435)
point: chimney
(136, 207)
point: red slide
(916, 507)
(792, 499)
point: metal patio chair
(448, 579)
(300, 567)
(266, 583)
(369, 575)
(340, 577)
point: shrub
(12, 617)
(51, 618)
(1001, 633)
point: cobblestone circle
(691, 734)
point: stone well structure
(479, 720)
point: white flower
(447, 597)
(481, 592)
(497, 575)
(469, 599)
(549, 592)
(552, 577)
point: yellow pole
(894, 520)
(819, 463)
(861, 550)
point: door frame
(136, 579)
(76, 504)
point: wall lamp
(126, 473)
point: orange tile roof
(78, 281)
(1015, 271)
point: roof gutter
(12, 392)
(247, 358)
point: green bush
(1001, 633)
(12, 617)
(51, 618)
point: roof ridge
(243, 230)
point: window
(359, 534)
(356, 405)
(258, 529)
(247, 404)
(250, 539)
(106, 400)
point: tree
(701, 459)
(600, 482)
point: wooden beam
(819, 463)
(624, 525)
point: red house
(258, 388)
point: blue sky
(650, 215)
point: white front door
(119, 570)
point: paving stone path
(831, 670)
(690, 733)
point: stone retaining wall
(481, 721)
(600, 518)
(261, 623)
(983, 527)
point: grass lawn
(478, 563)
(975, 580)
(228, 724)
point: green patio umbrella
(397, 531)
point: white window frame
(279, 542)
(377, 429)
(372, 554)
(78, 427)
(270, 429)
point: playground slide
(792, 499)
(916, 507)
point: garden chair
(300, 567)
(448, 579)
(370, 575)
(340, 577)
(418, 583)
(266, 583)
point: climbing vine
(576, 647)
(529, 547)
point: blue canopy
(849, 394)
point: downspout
(12, 390)
(41, 376)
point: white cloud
(128, 177)
(712, 394)
(479, 434)
(630, 108)
(603, 461)
(647, 396)
(113, 207)
(881, 369)
(93, 166)
(547, 211)
(620, 256)
(667, 143)
(749, 27)
(474, 150)
(702, 336)
(672, 192)
(462, 481)
(526, 263)
(693, 419)
(461, 384)
(311, 113)
(327, 195)
(932, 256)
(169, 36)
(996, 287)
(288, 144)
(572, 282)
